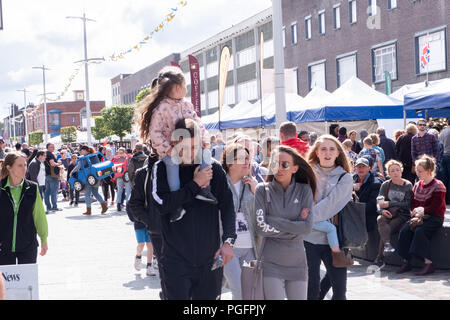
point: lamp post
(280, 95)
(26, 121)
(86, 74)
(45, 103)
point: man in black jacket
(388, 146)
(136, 162)
(144, 212)
(192, 244)
(367, 187)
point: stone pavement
(93, 258)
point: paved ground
(92, 258)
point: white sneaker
(138, 264)
(151, 271)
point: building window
(392, 4)
(322, 22)
(202, 102)
(372, 8)
(346, 68)
(352, 11)
(212, 69)
(308, 32)
(316, 75)
(337, 17)
(268, 49)
(213, 99)
(74, 120)
(187, 78)
(248, 91)
(294, 33)
(384, 60)
(437, 52)
(229, 97)
(284, 37)
(246, 57)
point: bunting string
(113, 58)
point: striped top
(429, 196)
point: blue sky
(37, 33)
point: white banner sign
(21, 281)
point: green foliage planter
(68, 134)
(35, 138)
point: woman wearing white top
(236, 163)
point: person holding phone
(237, 164)
(192, 243)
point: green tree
(36, 138)
(68, 134)
(141, 95)
(100, 131)
(118, 119)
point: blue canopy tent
(435, 99)
(353, 101)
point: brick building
(63, 114)
(328, 41)
(125, 87)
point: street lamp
(280, 95)
(86, 74)
(12, 125)
(45, 103)
(25, 102)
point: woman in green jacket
(22, 215)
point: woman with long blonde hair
(334, 189)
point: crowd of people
(205, 204)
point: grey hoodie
(331, 198)
(283, 228)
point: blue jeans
(330, 230)
(42, 191)
(51, 192)
(120, 184)
(173, 172)
(88, 190)
(445, 167)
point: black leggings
(74, 195)
(106, 186)
(28, 257)
(157, 246)
(336, 277)
(418, 242)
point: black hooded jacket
(195, 238)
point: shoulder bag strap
(386, 194)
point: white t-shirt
(244, 238)
(41, 175)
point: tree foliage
(142, 94)
(68, 134)
(100, 131)
(36, 138)
(118, 119)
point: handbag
(252, 273)
(351, 224)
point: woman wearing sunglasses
(282, 219)
(236, 163)
(335, 186)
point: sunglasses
(285, 165)
(421, 125)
